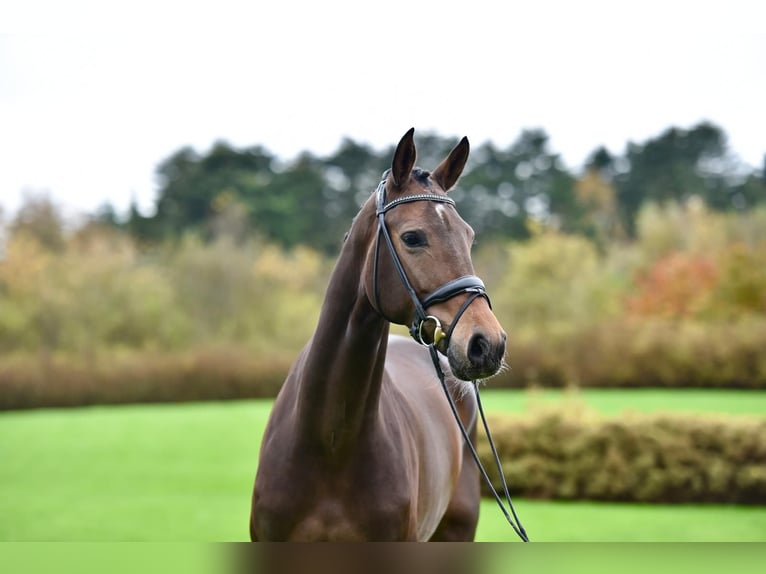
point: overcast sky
(93, 97)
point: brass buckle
(439, 334)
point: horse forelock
(422, 176)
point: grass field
(184, 473)
(615, 401)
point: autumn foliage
(679, 285)
(91, 316)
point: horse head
(419, 270)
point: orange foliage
(678, 285)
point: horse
(361, 443)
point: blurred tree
(597, 198)
(291, 209)
(190, 186)
(503, 192)
(40, 219)
(350, 175)
(107, 215)
(145, 228)
(230, 218)
(487, 196)
(675, 165)
(750, 192)
(504, 189)
(182, 199)
(602, 161)
(432, 149)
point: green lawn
(547, 521)
(184, 473)
(615, 401)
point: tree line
(504, 192)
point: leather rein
(467, 284)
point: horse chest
(322, 503)
(336, 520)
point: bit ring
(439, 334)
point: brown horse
(361, 443)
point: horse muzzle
(480, 357)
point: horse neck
(342, 372)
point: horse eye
(414, 239)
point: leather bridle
(466, 284)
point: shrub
(573, 454)
(94, 296)
(554, 282)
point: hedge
(681, 458)
(623, 354)
(647, 353)
(202, 374)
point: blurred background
(171, 205)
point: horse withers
(361, 443)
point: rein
(466, 284)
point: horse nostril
(478, 348)
(483, 354)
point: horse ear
(450, 169)
(404, 159)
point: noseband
(465, 284)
